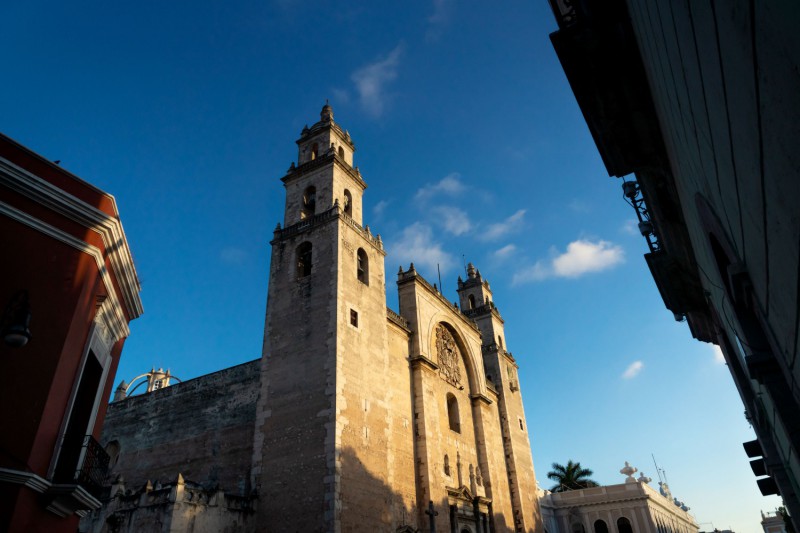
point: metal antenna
(464, 259)
(658, 470)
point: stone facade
(365, 419)
(700, 102)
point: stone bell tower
(477, 303)
(322, 420)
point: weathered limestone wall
(294, 440)
(373, 437)
(178, 507)
(202, 429)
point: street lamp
(16, 319)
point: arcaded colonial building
(357, 417)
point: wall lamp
(632, 194)
(16, 319)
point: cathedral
(356, 417)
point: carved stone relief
(447, 356)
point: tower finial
(326, 115)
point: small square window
(354, 318)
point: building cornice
(335, 212)
(397, 320)
(113, 317)
(485, 309)
(331, 157)
(411, 275)
(108, 227)
(64, 499)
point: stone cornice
(109, 228)
(320, 126)
(64, 500)
(28, 479)
(412, 275)
(321, 161)
(422, 360)
(280, 235)
(478, 398)
(397, 320)
(484, 310)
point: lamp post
(16, 319)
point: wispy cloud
(633, 370)
(438, 19)
(450, 185)
(505, 251)
(379, 208)
(718, 356)
(579, 206)
(233, 256)
(371, 81)
(453, 219)
(417, 244)
(500, 229)
(582, 257)
(630, 227)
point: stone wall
(202, 429)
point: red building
(68, 290)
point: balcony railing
(93, 465)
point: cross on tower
(432, 514)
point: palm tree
(570, 477)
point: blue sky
(472, 146)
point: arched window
(471, 300)
(304, 260)
(446, 465)
(314, 151)
(112, 449)
(624, 525)
(309, 202)
(600, 527)
(577, 527)
(341, 152)
(452, 413)
(362, 267)
(348, 203)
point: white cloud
(500, 229)
(453, 219)
(371, 81)
(450, 185)
(631, 227)
(718, 356)
(380, 207)
(582, 257)
(233, 256)
(416, 244)
(505, 251)
(579, 206)
(633, 370)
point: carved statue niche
(447, 354)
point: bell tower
(323, 414)
(477, 303)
